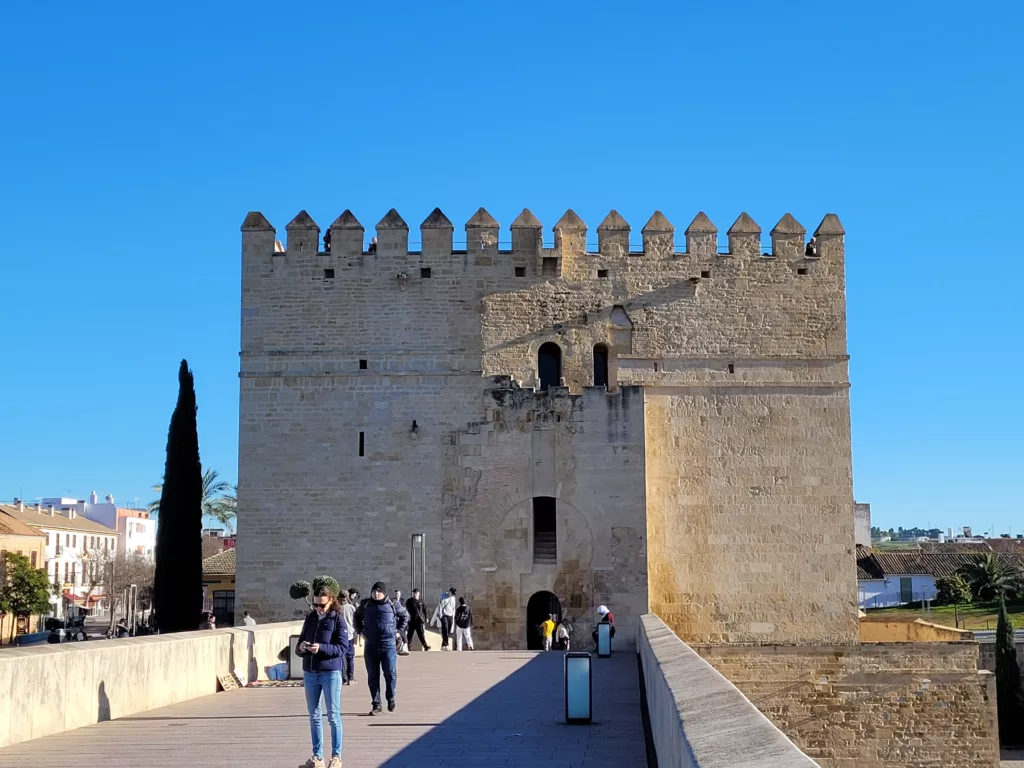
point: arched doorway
(600, 365)
(540, 606)
(549, 365)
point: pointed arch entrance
(540, 606)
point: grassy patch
(975, 616)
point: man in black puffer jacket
(379, 620)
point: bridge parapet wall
(698, 718)
(55, 688)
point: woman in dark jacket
(322, 645)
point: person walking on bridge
(463, 625)
(323, 642)
(379, 620)
(417, 618)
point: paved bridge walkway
(483, 708)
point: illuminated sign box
(579, 699)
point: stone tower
(657, 429)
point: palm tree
(219, 499)
(989, 578)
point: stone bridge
(149, 702)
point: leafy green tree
(178, 582)
(989, 578)
(220, 499)
(953, 590)
(24, 590)
(1009, 692)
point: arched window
(549, 365)
(600, 365)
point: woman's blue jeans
(328, 684)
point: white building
(71, 541)
(137, 532)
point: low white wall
(698, 718)
(53, 688)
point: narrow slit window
(425, 273)
(600, 365)
(732, 368)
(545, 533)
(362, 443)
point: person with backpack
(379, 620)
(463, 625)
(417, 617)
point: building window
(600, 365)
(425, 273)
(549, 266)
(362, 365)
(602, 273)
(549, 365)
(362, 443)
(56, 572)
(520, 271)
(545, 535)
(224, 607)
(33, 559)
(65, 573)
(328, 274)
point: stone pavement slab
(484, 708)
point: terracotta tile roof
(867, 568)
(12, 526)
(35, 519)
(938, 560)
(221, 564)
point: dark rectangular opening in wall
(362, 365)
(329, 274)
(362, 443)
(425, 273)
(520, 271)
(602, 273)
(549, 266)
(732, 368)
(705, 273)
(801, 270)
(545, 535)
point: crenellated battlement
(525, 253)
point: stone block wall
(750, 513)
(900, 705)
(736, 455)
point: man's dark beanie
(378, 586)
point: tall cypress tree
(178, 586)
(1009, 692)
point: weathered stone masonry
(710, 480)
(702, 472)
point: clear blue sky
(134, 139)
